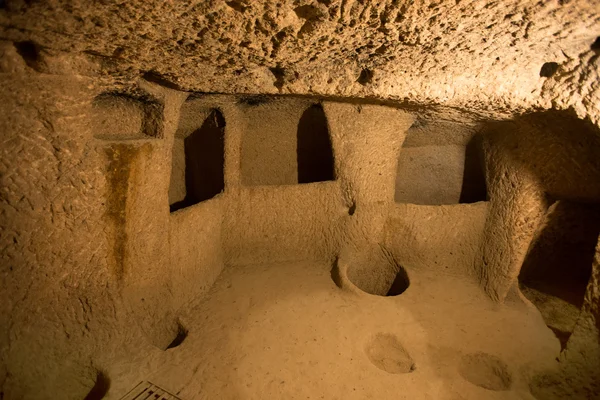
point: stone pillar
(517, 207)
(366, 141)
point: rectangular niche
(118, 116)
(440, 163)
(197, 172)
(286, 142)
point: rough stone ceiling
(481, 55)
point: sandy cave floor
(286, 331)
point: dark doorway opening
(558, 266)
(314, 150)
(204, 158)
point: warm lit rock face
(148, 146)
(498, 56)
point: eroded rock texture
(147, 146)
(492, 55)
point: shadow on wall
(198, 163)
(314, 150)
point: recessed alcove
(440, 163)
(286, 142)
(198, 162)
(313, 147)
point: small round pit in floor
(387, 353)
(181, 336)
(100, 388)
(486, 371)
(373, 270)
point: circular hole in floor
(377, 272)
(179, 338)
(387, 353)
(100, 388)
(486, 371)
